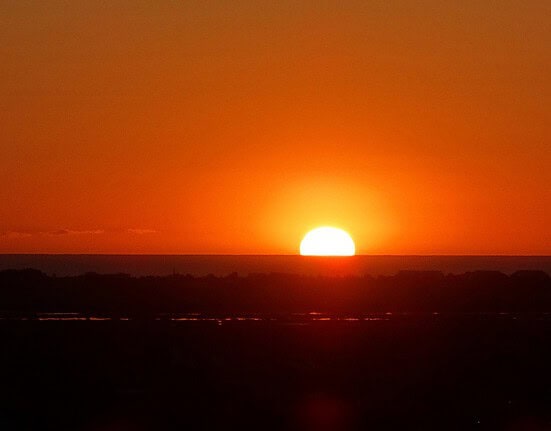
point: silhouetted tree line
(31, 291)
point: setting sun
(327, 241)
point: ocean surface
(199, 265)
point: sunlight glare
(327, 241)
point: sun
(327, 241)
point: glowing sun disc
(327, 241)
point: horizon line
(272, 255)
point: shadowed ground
(408, 372)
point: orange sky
(421, 127)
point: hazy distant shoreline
(198, 265)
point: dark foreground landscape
(415, 351)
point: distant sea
(199, 265)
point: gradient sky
(421, 127)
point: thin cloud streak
(15, 234)
(20, 234)
(74, 232)
(142, 231)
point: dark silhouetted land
(222, 265)
(418, 350)
(31, 291)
